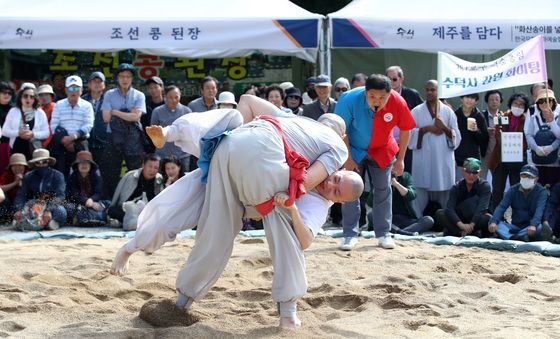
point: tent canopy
(210, 28)
(462, 27)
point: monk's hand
(155, 132)
(280, 200)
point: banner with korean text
(524, 65)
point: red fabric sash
(298, 171)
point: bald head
(341, 186)
(431, 91)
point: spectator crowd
(62, 154)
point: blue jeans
(382, 203)
(507, 230)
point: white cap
(227, 98)
(74, 80)
(286, 85)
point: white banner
(512, 146)
(524, 65)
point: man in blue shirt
(122, 108)
(527, 200)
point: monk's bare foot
(292, 323)
(120, 263)
(155, 133)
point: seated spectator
(542, 140)
(293, 100)
(527, 201)
(142, 180)
(164, 115)
(84, 191)
(227, 100)
(172, 170)
(467, 210)
(405, 220)
(10, 182)
(42, 192)
(71, 122)
(26, 124)
(552, 211)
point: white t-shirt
(314, 210)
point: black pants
(116, 212)
(449, 228)
(499, 177)
(113, 167)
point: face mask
(527, 183)
(517, 111)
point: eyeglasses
(73, 89)
(28, 96)
(543, 101)
(340, 89)
(472, 172)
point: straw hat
(543, 94)
(17, 159)
(41, 154)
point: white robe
(433, 165)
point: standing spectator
(341, 85)
(293, 100)
(46, 99)
(370, 114)
(309, 95)
(84, 193)
(10, 182)
(227, 100)
(42, 190)
(136, 182)
(164, 116)
(171, 170)
(275, 95)
(412, 98)
(492, 116)
(468, 209)
(527, 201)
(26, 124)
(552, 210)
(542, 139)
(154, 99)
(358, 80)
(122, 108)
(209, 87)
(58, 80)
(433, 142)
(516, 114)
(474, 133)
(71, 121)
(6, 94)
(324, 103)
(98, 138)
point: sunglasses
(6, 92)
(543, 101)
(340, 89)
(73, 89)
(295, 97)
(471, 171)
(42, 162)
(28, 96)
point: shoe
(113, 223)
(348, 243)
(546, 232)
(386, 242)
(52, 225)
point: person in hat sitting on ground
(10, 182)
(527, 201)
(71, 122)
(227, 100)
(46, 100)
(84, 192)
(467, 210)
(42, 190)
(293, 100)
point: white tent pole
(328, 48)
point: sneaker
(348, 243)
(546, 232)
(386, 242)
